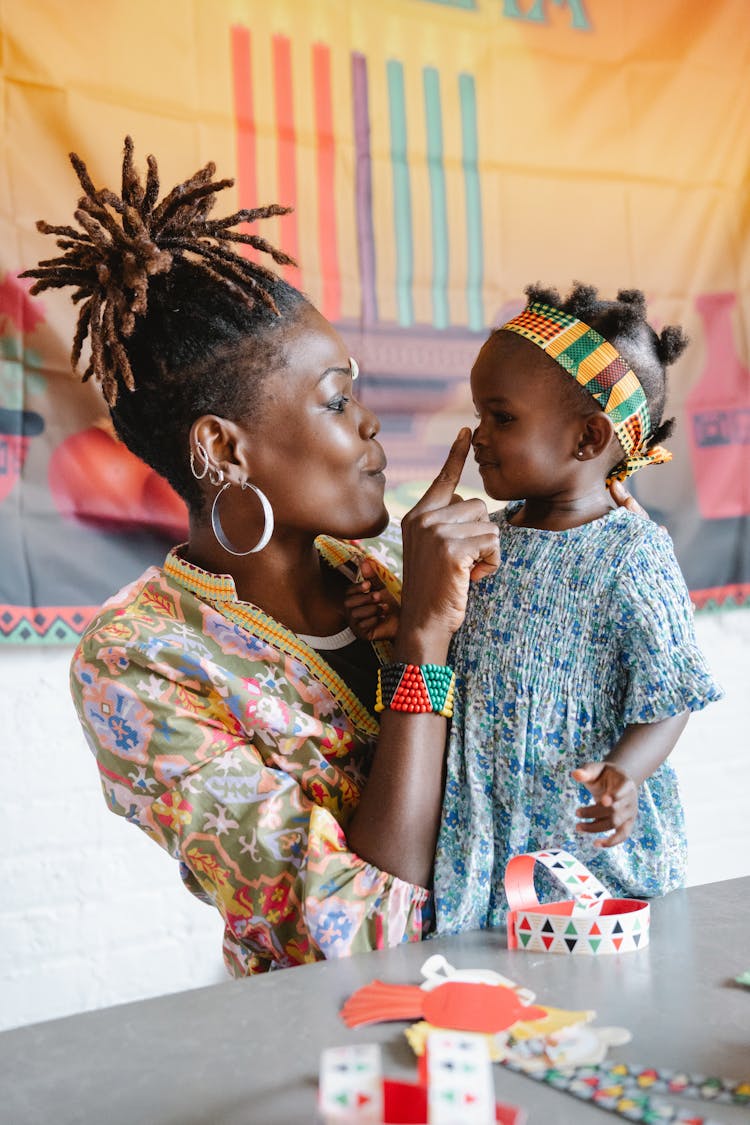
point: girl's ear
(595, 436)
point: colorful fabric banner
(440, 155)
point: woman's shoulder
(148, 606)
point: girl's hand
(616, 802)
(371, 612)
(448, 542)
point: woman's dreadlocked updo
(169, 308)
(623, 322)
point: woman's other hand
(623, 499)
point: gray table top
(248, 1051)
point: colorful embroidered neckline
(220, 591)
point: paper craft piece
(590, 923)
(458, 1006)
(351, 1085)
(579, 1044)
(460, 1089)
(347, 1093)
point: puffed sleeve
(256, 821)
(663, 670)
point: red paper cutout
(460, 1006)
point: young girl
(576, 664)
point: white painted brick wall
(93, 913)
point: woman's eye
(502, 418)
(338, 404)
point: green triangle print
(525, 939)
(571, 929)
(595, 943)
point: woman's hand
(623, 499)
(448, 542)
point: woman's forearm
(396, 823)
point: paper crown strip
(590, 923)
(598, 367)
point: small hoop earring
(204, 455)
(216, 476)
(268, 522)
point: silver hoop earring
(216, 476)
(268, 522)
(204, 455)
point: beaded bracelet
(416, 687)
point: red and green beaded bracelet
(417, 688)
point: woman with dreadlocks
(230, 710)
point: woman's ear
(222, 441)
(596, 436)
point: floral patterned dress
(238, 749)
(578, 634)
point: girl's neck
(565, 510)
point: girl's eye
(502, 418)
(338, 404)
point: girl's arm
(614, 782)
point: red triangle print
(583, 877)
(617, 942)
(525, 925)
(548, 939)
(363, 1099)
(594, 930)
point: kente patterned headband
(598, 367)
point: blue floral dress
(578, 634)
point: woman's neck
(565, 510)
(287, 580)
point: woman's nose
(369, 423)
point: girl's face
(528, 436)
(312, 449)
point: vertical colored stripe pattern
(330, 304)
(286, 160)
(454, 185)
(438, 204)
(473, 197)
(401, 193)
(363, 189)
(244, 113)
